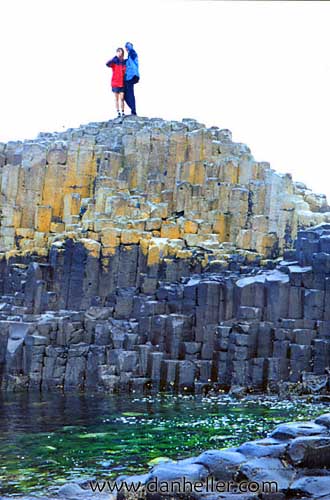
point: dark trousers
(129, 95)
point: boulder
(295, 429)
(311, 487)
(222, 465)
(310, 451)
(267, 469)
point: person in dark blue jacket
(132, 76)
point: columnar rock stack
(283, 318)
(262, 331)
(121, 182)
(141, 253)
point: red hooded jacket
(118, 71)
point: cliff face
(141, 179)
(131, 255)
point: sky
(260, 69)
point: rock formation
(292, 462)
(143, 253)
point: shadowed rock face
(140, 253)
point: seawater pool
(48, 440)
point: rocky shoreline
(292, 462)
(295, 457)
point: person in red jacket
(118, 65)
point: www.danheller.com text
(184, 485)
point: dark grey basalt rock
(295, 429)
(73, 323)
(71, 490)
(297, 467)
(221, 464)
(324, 420)
(312, 487)
(310, 451)
(267, 447)
(171, 471)
(267, 469)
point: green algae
(106, 436)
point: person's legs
(133, 108)
(129, 96)
(122, 102)
(117, 101)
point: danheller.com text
(184, 485)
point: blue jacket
(132, 66)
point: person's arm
(111, 63)
(132, 54)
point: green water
(47, 441)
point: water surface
(52, 439)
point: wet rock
(177, 471)
(296, 429)
(221, 465)
(75, 368)
(314, 383)
(267, 447)
(310, 451)
(17, 333)
(71, 490)
(311, 486)
(323, 420)
(237, 391)
(267, 469)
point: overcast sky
(261, 69)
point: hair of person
(122, 51)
